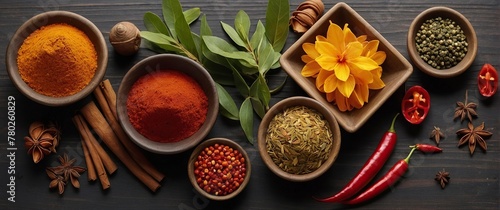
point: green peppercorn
(441, 43)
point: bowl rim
(143, 67)
(229, 143)
(278, 108)
(345, 119)
(459, 18)
(37, 22)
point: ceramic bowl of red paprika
(219, 169)
(299, 139)
(46, 72)
(167, 103)
(430, 64)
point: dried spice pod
(42, 140)
(125, 38)
(306, 14)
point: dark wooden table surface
(474, 180)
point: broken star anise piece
(436, 134)
(473, 136)
(443, 178)
(465, 109)
(64, 172)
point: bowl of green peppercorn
(441, 42)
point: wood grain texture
(474, 182)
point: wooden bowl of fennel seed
(299, 139)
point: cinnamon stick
(97, 121)
(91, 175)
(110, 95)
(108, 163)
(97, 160)
(132, 148)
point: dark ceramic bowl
(172, 62)
(278, 108)
(211, 142)
(466, 26)
(48, 18)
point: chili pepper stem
(407, 159)
(391, 129)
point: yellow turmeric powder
(57, 60)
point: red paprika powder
(166, 106)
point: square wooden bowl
(396, 69)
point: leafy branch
(243, 65)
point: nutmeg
(306, 14)
(125, 38)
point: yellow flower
(346, 67)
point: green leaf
(239, 81)
(242, 25)
(221, 47)
(227, 103)
(169, 15)
(192, 14)
(265, 56)
(154, 23)
(161, 40)
(277, 63)
(233, 34)
(258, 107)
(205, 29)
(260, 90)
(277, 17)
(246, 119)
(182, 28)
(258, 35)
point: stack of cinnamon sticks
(105, 124)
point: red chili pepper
(389, 179)
(427, 148)
(487, 80)
(371, 167)
(416, 104)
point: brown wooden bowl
(279, 107)
(396, 69)
(48, 18)
(168, 62)
(194, 157)
(466, 26)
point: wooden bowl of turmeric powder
(57, 58)
(167, 103)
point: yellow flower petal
(370, 48)
(330, 97)
(346, 88)
(306, 58)
(349, 35)
(376, 84)
(362, 39)
(341, 102)
(379, 57)
(311, 69)
(327, 62)
(321, 38)
(353, 50)
(320, 80)
(326, 48)
(331, 83)
(364, 63)
(342, 71)
(310, 49)
(365, 77)
(356, 101)
(362, 91)
(335, 35)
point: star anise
(60, 175)
(465, 109)
(56, 181)
(443, 178)
(473, 136)
(436, 134)
(39, 142)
